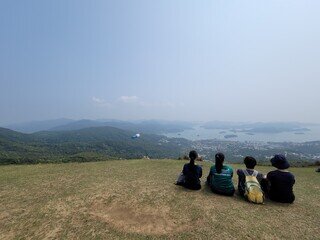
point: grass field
(137, 200)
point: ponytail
(219, 162)
(193, 156)
(192, 162)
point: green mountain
(36, 126)
(89, 144)
(150, 126)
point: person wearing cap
(281, 181)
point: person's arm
(260, 176)
(200, 172)
(184, 171)
(240, 176)
(268, 176)
(293, 180)
(268, 180)
(209, 176)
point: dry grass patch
(137, 200)
(146, 220)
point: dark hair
(193, 156)
(250, 162)
(219, 162)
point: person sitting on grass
(281, 181)
(220, 177)
(191, 173)
(250, 163)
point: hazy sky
(166, 59)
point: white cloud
(160, 104)
(137, 101)
(101, 102)
(97, 100)
(133, 100)
(129, 99)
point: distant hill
(13, 136)
(84, 145)
(36, 126)
(63, 124)
(151, 126)
(76, 125)
(18, 147)
(259, 127)
(87, 123)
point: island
(231, 136)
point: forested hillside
(88, 144)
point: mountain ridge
(96, 143)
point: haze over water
(199, 133)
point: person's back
(242, 179)
(281, 186)
(192, 174)
(220, 177)
(222, 182)
(250, 163)
(281, 181)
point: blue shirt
(192, 174)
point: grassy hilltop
(138, 200)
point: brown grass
(138, 200)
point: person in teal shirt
(220, 177)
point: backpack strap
(255, 173)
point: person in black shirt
(281, 181)
(191, 174)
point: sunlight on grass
(137, 199)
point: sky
(167, 59)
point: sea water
(200, 133)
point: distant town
(263, 151)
